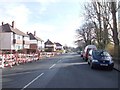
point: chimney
(2, 23)
(12, 24)
(27, 33)
(34, 33)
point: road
(63, 71)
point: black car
(100, 58)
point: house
(49, 46)
(35, 42)
(12, 38)
(52, 47)
(58, 46)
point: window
(106, 54)
(90, 52)
(18, 37)
(18, 47)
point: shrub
(110, 48)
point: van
(86, 51)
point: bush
(110, 48)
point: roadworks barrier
(10, 60)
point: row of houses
(52, 47)
(12, 39)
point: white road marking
(52, 66)
(77, 63)
(59, 61)
(16, 74)
(32, 81)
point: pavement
(116, 64)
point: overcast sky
(56, 20)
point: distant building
(58, 46)
(12, 38)
(49, 46)
(35, 42)
(53, 47)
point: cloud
(66, 34)
(19, 13)
(62, 30)
(44, 31)
(42, 10)
(40, 27)
(47, 1)
(44, 4)
(70, 30)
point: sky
(56, 20)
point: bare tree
(103, 17)
(114, 29)
(86, 33)
(93, 14)
(106, 19)
(99, 14)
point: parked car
(86, 51)
(100, 58)
(81, 54)
(78, 52)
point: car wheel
(86, 59)
(83, 58)
(81, 55)
(91, 66)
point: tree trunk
(114, 30)
(105, 25)
(100, 28)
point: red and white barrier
(10, 60)
(1, 61)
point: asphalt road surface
(63, 71)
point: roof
(32, 37)
(8, 28)
(48, 42)
(58, 44)
(39, 39)
(90, 46)
(17, 31)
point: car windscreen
(100, 54)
